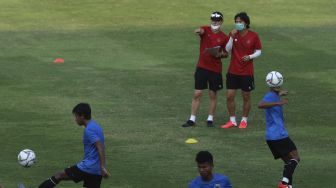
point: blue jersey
(91, 163)
(275, 128)
(218, 181)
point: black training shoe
(210, 124)
(189, 123)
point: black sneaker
(189, 123)
(210, 124)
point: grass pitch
(133, 61)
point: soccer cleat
(242, 125)
(21, 185)
(210, 124)
(281, 185)
(189, 123)
(229, 124)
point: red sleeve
(257, 44)
(205, 30)
(226, 40)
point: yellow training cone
(191, 141)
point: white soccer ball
(26, 158)
(274, 79)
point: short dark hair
(216, 16)
(82, 109)
(203, 157)
(243, 16)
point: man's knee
(197, 95)
(61, 176)
(295, 155)
(230, 95)
(246, 96)
(213, 95)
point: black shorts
(245, 83)
(205, 79)
(282, 147)
(77, 175)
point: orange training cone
(59, 60)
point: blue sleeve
(193, 184)
(270, 98)
(92, 136)
(226, 183)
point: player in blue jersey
(92, 168)
(277, 137)
(207, 179)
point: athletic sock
(192, 118)
(289, 170)
(49, 183)
(285, 181)
(244, 119)
(233, 119)
(210, 118)
(290, 181)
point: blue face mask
(239, 26)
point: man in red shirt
(246, 46)
(208, 74)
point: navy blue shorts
(281, 148)
(77, 175)
(205, 79)
(245, 83)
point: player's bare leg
(195, 103)
(61, 176)
(231, 107)
(230, 101)
(212, 107)
(54, 180)
(246, 103)
(246, 108)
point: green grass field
(133, 61)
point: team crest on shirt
(217, 186)
(248, 42)
(218, 40)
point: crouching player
(277, 138)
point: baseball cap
(216, 16)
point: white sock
(244, 119)
(210, 118)
(284, 179)
(192, 118)
(233, 119)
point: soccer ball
(26, 158)
(274, 79)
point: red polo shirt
(243, 45)
(210, 39)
